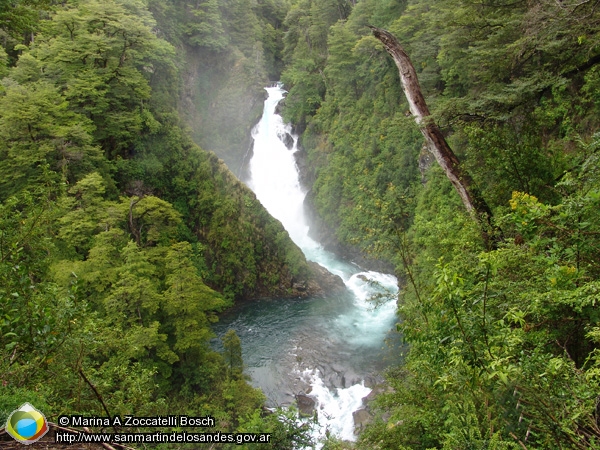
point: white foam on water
(274, 175)
(375, 310)
(335, 408)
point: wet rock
(306, 173)
(375, 391)
(337, 368)
(361, 417)
(244, 172)
(338, 377)
(323, 281)
(300, 287)
(374, 382)
(287, 139)
(306, 405)
(319, 282)
(352, 378)
(280, 106)
(333, 380)
(267, 411)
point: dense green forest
(121, 240)
(502, 323)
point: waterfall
(274, 176)
(327, 346)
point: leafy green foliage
(120, 239)
(503, 343)
(19, 20)
(285, 429)
(233, 354)
(501, 347)
(39, 131)
(207, 28)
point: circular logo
(26, 424)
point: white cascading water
(274, 176)
(275, 181)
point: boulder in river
(287, 139)
(323, 281)
(306, 404)
(319, 282)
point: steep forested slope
(120, 239)
(503, 338)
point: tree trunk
(434, 138)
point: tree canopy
(120, 239)
(502, 347)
